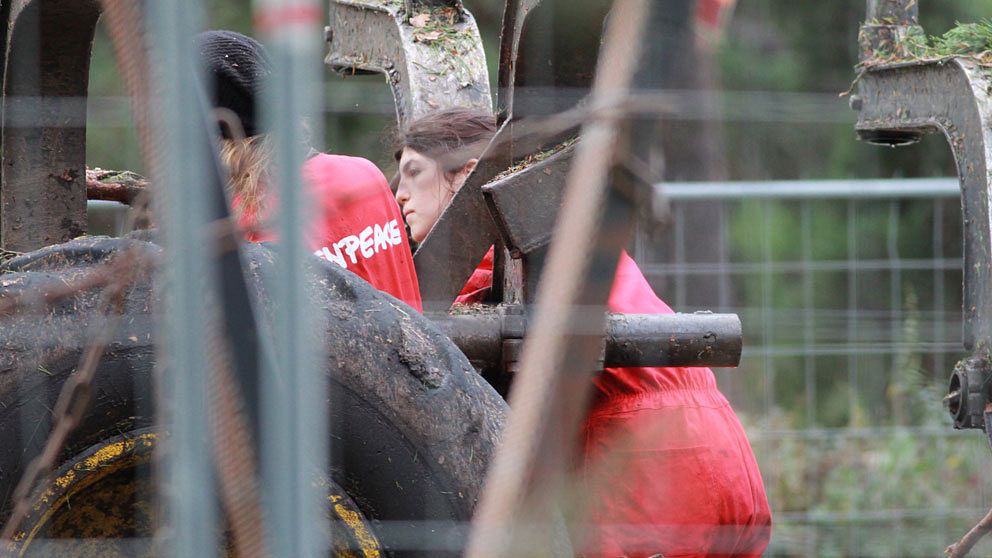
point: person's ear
(462, 175)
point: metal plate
(429, 68)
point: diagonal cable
(548, 395)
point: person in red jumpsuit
(665, 459)
(355, 221)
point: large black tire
(413, 426)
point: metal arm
(45, 78)
(897, 104)
(514, 15)
(950, 97)
(427, 71)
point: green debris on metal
(436, 25)
(971, 40)
(536, 158)
(395, 6)
(115, 176)
(439, 30)
(965, 39)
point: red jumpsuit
(356, 224)
(667, 462)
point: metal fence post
(190, 496)
(294, 425)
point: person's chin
(416, 234)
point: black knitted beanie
(237, 67)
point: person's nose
(402, 194)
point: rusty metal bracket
(548, 49)
(969, 392)
(467, 228)
(950, 97)
(46, 75)
(462, 235)
(437, 65)
(525, 204)
(514, 14)
(465, 231)
(897, 104)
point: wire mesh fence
(849, 340)
(849, 292)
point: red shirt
(667, 461)
(356, 224)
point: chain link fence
(852, 325)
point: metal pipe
(478, 336)
(809, 189)
(183, 202)
(701, 339)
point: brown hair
(451, 136)
(248, 161)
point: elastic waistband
(708, 397)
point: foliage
(972, 40)
(963, 39)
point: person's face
(424, 191)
